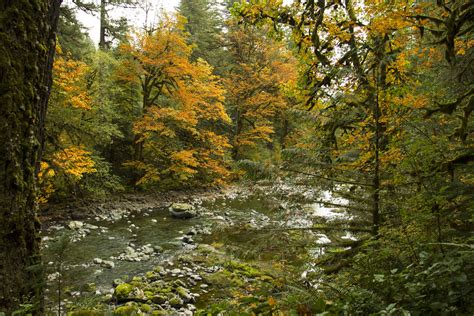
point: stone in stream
(148, 249)
(90, 226)
(175, 271)
(108, 264)
(191, 232)
(117, 282)
(75, 225)
(160, 270)
(104, 263)
(187, 239)
(97, 260)
(182, 210)
(196, 277)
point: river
(251, 223)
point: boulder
(182, 210)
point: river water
(252, 223)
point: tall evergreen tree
(71, 34)
(28, 35)
(204, 24)
(110, 28)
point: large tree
(27, 40)
(205, 26)
(177, 129)
(261, 67)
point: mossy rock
(122, 291)
(176, 302)
(158, 284)
(161, 288)
(243, 269)
(179, 283)
(152, 276)
(184, 294)
(127, 310)
(145, 308)
(89, 287)
(159, 299)
(221, 279)
(159, 269)
(187, 258)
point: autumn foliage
(255, 86)
(178, 129)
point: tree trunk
(102, 44)
(27, 45)
(237, 132)
(380, 79)
(376, 177)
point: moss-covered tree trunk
(27, 44)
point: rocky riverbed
(135, 256)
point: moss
(151, 275)
(184, 294)
(90, 287)
(159, 269)
(176, 302)
(178, 283)
(266, 278)
(161, 288)
(145, 308)
(221, 279)
(159, 299)
(149, 294)
(122, 291)
(126, 310)
(243, 269)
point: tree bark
(27, 45)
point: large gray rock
(182, 210)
